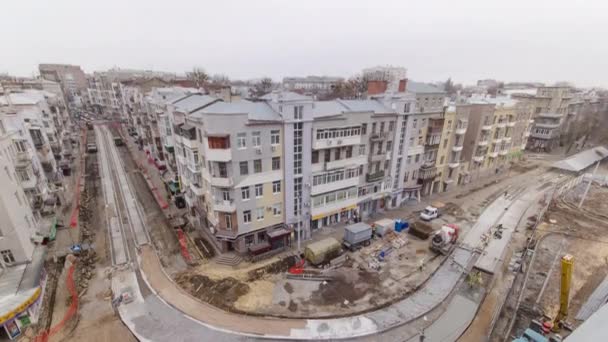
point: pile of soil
(340, 289)
(222, 293)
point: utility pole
(589, 184)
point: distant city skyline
(434, 40)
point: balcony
(457, 148)
(197, 189)
(507, 139)
(373, 177)
(483, 142)
(224, 206)
(486, 127)
(504, 152)
(427, 173)
(493, 154)
(220, 155)
(478, 159)
(550, 115)
(460, 131)
(379, 157)
(546, 125)
(320, 144)
(453, 165)
(223, 182)
(333, 186)
(378, 136)
(337, 164)
(31, 183)
(501, 125)
(511, 124)
(231, 234)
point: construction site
(485, 261)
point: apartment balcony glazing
(428, 171)
(224, 206)
(219, 148)
(379, 136)
(487, 127)
(376, 176)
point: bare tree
(261, 88)
(218, 81)
(199, 76)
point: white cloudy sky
(536, 40)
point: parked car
(92, 148)
(160, 164)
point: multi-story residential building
(105, 94)
(233, 152)
(29, 112)
(550, 106)
(71, 78)
(311, 84)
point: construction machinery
(444, 240)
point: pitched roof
(582, 160)
(254, 110)
(421, 88)
(194, 102)
(285, 96)
(373, 106)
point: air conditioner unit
(258, 151)
(268, 208)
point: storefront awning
(275, 234)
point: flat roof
(593, 329)
(582, 160)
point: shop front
(338, 216)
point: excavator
(542, 332)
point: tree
(449, 87)
(218, 81)
(261, 88)
(198, 76)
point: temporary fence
(44, 336)
(183, 245)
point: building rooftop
(582, 160)
(194, 102)
(505, 101)
(255, 110)
(422, 88)
(373, 106)
(28, 97)
(277, 96)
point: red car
(160, 164)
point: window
(223, 170)
(22, 175)
(349, 152)
(337, 154)
(391, 126)
(364, 129)
(412, 141)
(249, 240)
(244, 168)
(276, 187)
(241, 140)
(406, 176)
(417, 157)
(247, 216)
(259, 190)
(228, 220)
(261, 237)
(275, 138)
(315, 157)
(257, 166)
(245, 193)
(389, 146)
(382, 127)
(259, 214)
(276, 163)
(361, 150)
(406, 108)
(408, 160)
(297, 112)
(373, 128)
(276, 209)
(256, 139)
(445, 143)
(326, 156)
(195, 157)
(226, 195)
(7, 256)
(386, 164)
(415, 123)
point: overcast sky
(527, 40)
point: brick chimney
(402, 85)
(376, 87)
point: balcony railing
(232, 233)
(372, 177)
(378, 136)
(427, 173)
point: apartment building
(71, 78)
(104, 94)
(234, 159)
(550, 108)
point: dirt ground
(582, 233)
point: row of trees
(203, 80)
